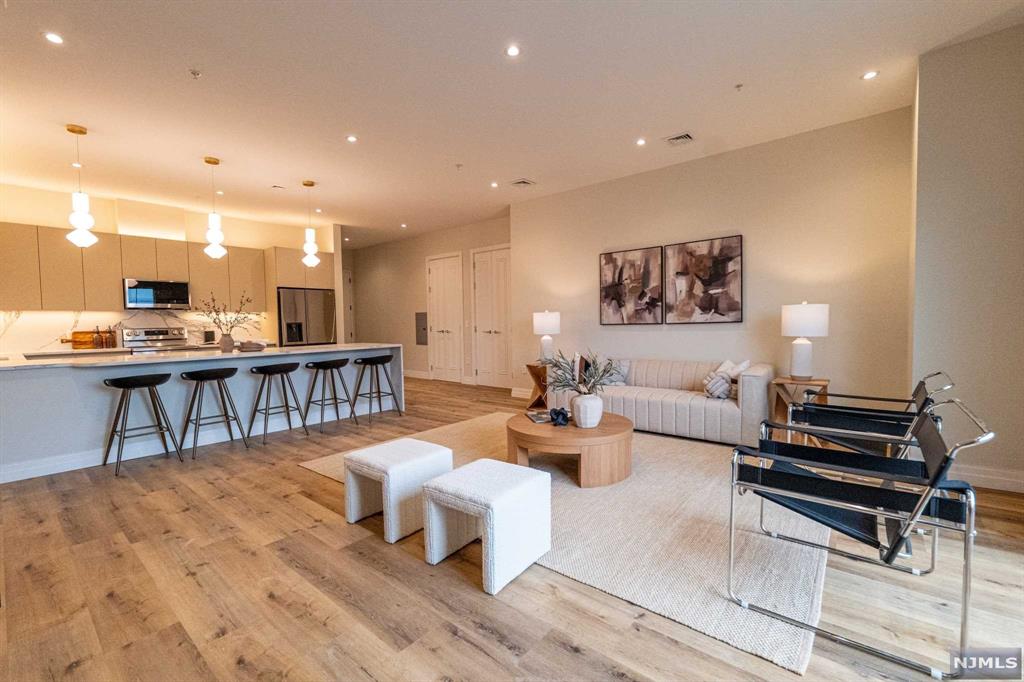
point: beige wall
(391, 286)
(969, 279)
(825, 217)
(31, 206)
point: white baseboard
(521, 392)
(989, 477)
(416, 374)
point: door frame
(462, 311)
(472, 302)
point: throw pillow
(717, 385)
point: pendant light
(310, 259)
(214, 233)
(80, 218)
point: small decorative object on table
(226, 319)
(586, 378)
(559, 417)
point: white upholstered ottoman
(506, 505)
(389, 477)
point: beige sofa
(667, 396)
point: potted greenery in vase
(227, 319)
(586, 380)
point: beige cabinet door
(322, 276)
(208, 277)
(101, 274)
(171, 260)
(290, 270)
(60, 271)
(138, 257)
(247, 277)
(19, 273)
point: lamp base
(801, 360)
(546, 346)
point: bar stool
(329, 369)
(122, 431)
(267, 373)
(201, 376)
(375, 364)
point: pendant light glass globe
(81, 221)
(310, 247)
(82, 238)
(215, 251)
(310, 260)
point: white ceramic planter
(587, 411)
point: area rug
(659, 539)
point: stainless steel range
(150, 339)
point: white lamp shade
(310, 260)
(213, 222)
(547, 323)
(82, 238)
(805, 319)
(79, 202)
(215, 251)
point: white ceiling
(426, 85)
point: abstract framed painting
(631, 283)
(704, 281)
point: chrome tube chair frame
(951, 507)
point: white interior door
(491, 288)
(444, 313)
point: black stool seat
(374, 360)
(217, 373)
(138, 381)
(282, 368)
(336, 363)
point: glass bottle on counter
(97, 338)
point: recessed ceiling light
(347, 239)
(870, 75)
(352, 139)
(220, 192)
(494, 185)
(54, 38)
(640, 142)
(403, 226)
(75, 164)
(512, 50)
(319, 210)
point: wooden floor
(240, 565)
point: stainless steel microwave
(144, 293)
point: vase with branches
(586, 378)
(227, 318)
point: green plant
(225, 318)
(595, 374)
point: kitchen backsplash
(34, 330)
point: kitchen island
(55, 412)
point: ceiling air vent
(522, 182)
(680, 139)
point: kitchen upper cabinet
(290, 270)
(247, 277)
(60, 270)
(101, 268)
(19, 273)
(138, 257)
(172, 260)
(321, 276)
(207, 276)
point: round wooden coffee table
(605, 452)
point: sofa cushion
(679, 413)
(678, 374)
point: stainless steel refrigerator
(305, 316)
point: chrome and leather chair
(886, 502)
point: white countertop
(10, 361)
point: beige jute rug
(659, 539)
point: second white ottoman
(389, 477)
(506, 505)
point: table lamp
(803, 320)
(544, 325)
